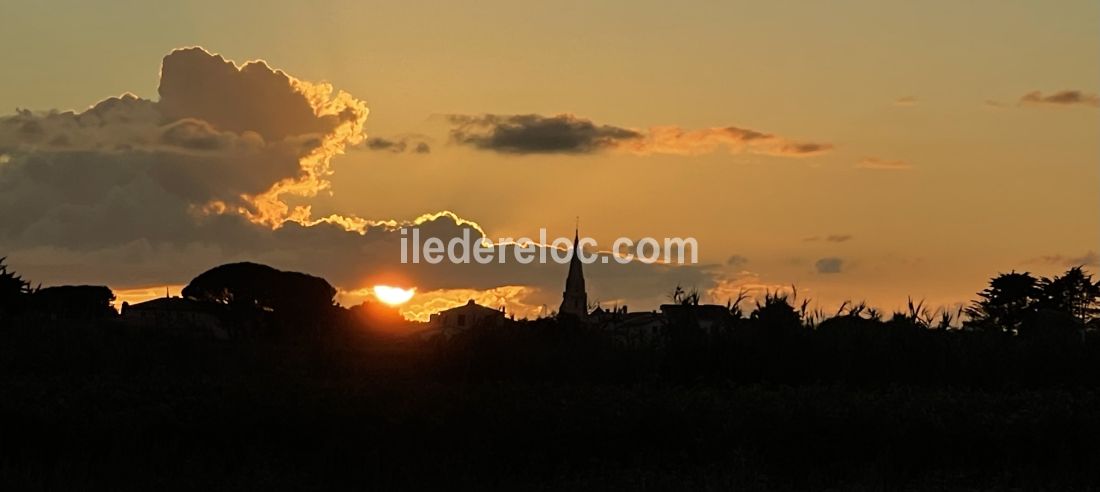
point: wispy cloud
(832, 238)
(906, 101)
(1089, 258)
(570, 134)
(884, 164)
(1061, 98)
(398, 145)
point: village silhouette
(257, 377)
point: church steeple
(575, 300)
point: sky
(863, 150)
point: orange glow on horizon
(137, 295)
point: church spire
(574, 299)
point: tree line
(1020, 329)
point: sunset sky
(865, 150)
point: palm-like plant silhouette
(12, 287)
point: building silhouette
(179, 315)
(574, 300)
(458, 319)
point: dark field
(100, 408)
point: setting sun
(393, 295)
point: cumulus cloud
(569, 134)
(829, 265)
(195, 83)
(1061, 98)
(134, 192)
(220, 138)
(879, 164)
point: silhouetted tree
(85, 302)
(1073, 293)
(261, 286)
(1008, 301)
(291, 298)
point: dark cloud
(1062, 98)
(188, 159)
(535, 134)
(796, 149)
(399, 145)
(179, 170)
(378, 143)
(569, 134)
(829, 265)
